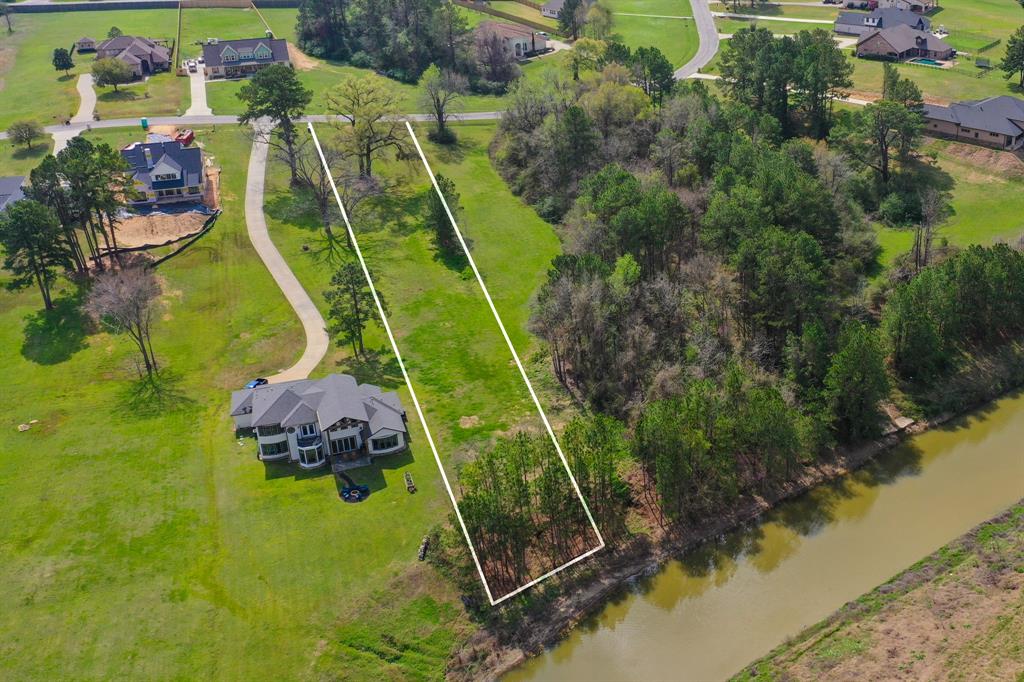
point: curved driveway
(317, 340)
(708, 34)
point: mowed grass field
(986, 192)
(320, 75)
(30, 88)
(198, 25)
(141, 539)
(453, 349)
(676, 38)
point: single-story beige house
(85, 44)
(996, 122)
(901, 42)
(143, 55)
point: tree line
(403, 38)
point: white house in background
(551, 8)
(518, 41)
(311, 421)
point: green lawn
(964, 81)
(19, 160)
(31, 89)
(140, 540)
(988, 203)
(522, 11)
(730, 26)
(197, 25)
(453, 349)
(819, 12)
(676, 38)
(222, 95)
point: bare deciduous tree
(122, 300)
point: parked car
(201, 60)
(256, 382)
(192, 66)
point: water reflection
(727, 602)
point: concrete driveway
(87, 99)
(197, 86)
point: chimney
(149, 156)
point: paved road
(757, 17)
(708, 34)
(87, 103)
(317, 340)
(197, 86)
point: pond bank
(485, 657)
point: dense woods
(403, 38)
(712, 308)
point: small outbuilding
(85, 44)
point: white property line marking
(401, 363)
(522, 372)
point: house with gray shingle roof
(242, 58)
(860, 23)
(900, 43)
(11, 190)
(310, 421)
(165, 171)
(994, 122)
(142, 55)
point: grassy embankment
(141, 540)
(30, 88)
(956, 614)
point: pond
(706, 615)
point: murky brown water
(706, 616)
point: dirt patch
(958, 614)
(991, 163)
(469, 422)
(158, 228)
(169, 130)
(300, 60)
(211, 192)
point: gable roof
(884, 17)
(1003, 114)
(11, 190)
(212, 54)
(554, 5)
(188, 159)
(903, 38)
(325, 401)
(137, 46)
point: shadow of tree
(119, 96)
(36, 152)
(375, 367)
(454, 260)
(155, 395)
(53, 336)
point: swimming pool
(926, 62)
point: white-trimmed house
(242, 58)
(312, 421)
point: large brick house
(901, 43)
(861, 23)
(142, 55)
(993, 122)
